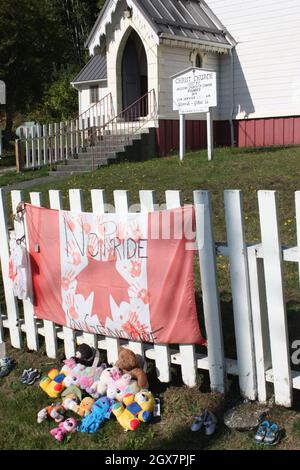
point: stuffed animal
(72, 392)
(54, 383)
(99, 387)
(129, 363)
(83, 409)
(139, 408)
(54, 411)
(66, 427)
(101, 412)
(85, 355)
(117, 389)
(82, 376)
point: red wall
(248, 133)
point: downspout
(232, 99)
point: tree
(60, 100)
(30, 45)
(41, 41)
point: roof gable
(190, 20)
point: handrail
(97, 126)
(132, 105)
(121, 129)
(109, 95)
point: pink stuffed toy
(66, 427)
(99, 387)
(117, 389)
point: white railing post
(77, 136)
(272, 255)
(27, 147)
(33, 148)
(51, 147)
(39, 145)
(72, 130)
(45, 144)
(239, 274)
(61, 141)
(56, 142)
(67, 143)
(210, 292)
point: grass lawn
(12, 177)
(248, 170)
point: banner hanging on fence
(126, 276)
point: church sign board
(194, 91)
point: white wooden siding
(84, 95)
(171, 61)
(266, 59)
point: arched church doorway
(135, 75)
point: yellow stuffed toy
(139, 408)
(53, 384)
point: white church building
(136, 46)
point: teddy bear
(129, 363)
(66, 427)
(135, 409)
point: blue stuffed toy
(100, 412)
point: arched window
(198, 61)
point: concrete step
(85, 159)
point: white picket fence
(257, 287)
(48, 144)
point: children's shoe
(210, 423)
(6, 365)
(197, 423)
(273, 435)
(24, 375)
(32, 376)
(262, 431)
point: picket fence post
(29, 318)
(260, 322)
(49, 327)
(68, 334)
(210, 292)
(76, 205)
(10, 299)
(121, 199)
(162, 354)
(240, 286)
(272, 256)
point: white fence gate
(257, 286)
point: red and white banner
(128, 276)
